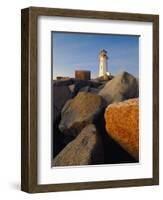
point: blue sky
(73, 51)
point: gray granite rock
(61, 93)
(121, 87)
(85, 149)
(80, 111)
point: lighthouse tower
(103, 63)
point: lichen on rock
(122, 124)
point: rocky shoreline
(92, 121)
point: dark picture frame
(29, 97)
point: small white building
(103, 63)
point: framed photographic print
(90, 99)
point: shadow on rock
(59, 139)
(113, 152)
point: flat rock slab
(80, 111)
(121, 87)
(122, 124)
(85, 149)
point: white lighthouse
(103, 63)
